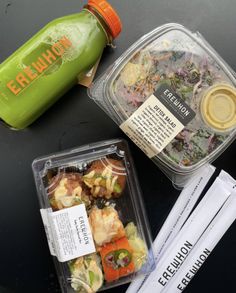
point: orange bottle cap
(109, 14)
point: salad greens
(175, 60)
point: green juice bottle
(49, 64)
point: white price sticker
(71, 233)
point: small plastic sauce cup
(218, 107)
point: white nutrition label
(152, 127)
(45, 214)
(71, 233)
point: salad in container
(175, 97)
(94, 216)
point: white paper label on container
(71, 233)
(158, 121)
(152, 127)
(45, 214)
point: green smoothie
(49, 64)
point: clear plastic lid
(94, 216)
(173, 57)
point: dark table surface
(25, 264)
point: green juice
(49, 64)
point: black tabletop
(25, 264)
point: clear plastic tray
(174, 56)
(100, 180)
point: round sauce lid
(218, 107)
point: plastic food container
(175, 97)
(94, 216)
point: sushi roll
(66, 190)
(106, 178)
